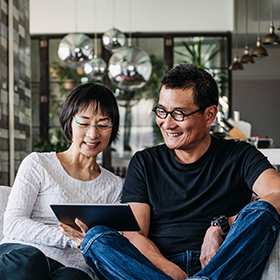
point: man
(186, 194)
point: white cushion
(4, 194)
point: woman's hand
(77, 236)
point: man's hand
(211, 243)
(75, 235)
(177, 274)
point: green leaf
(213, 55)
(188, 49)
(183, 54)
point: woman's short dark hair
(186, 76)
(87, 95)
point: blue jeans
(242, 255)
(23, 262)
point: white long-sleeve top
(41, 180)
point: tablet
(118, 216)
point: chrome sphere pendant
(113, 39)
(75, 50)
(96, 68)
(130, 68)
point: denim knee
(18, 261)
(93, 234)
(260, 207)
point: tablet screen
(118, 216)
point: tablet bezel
(118, 216)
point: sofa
(271, 270)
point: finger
(81, 225)
(64, 227)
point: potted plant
(68, 76)
(194, 54)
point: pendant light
(75, 49)
(236, 65)
(259, 51)
(246, 57)
(96, 68)
(271, 37)
(113, 38)
(130, 67)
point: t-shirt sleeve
(135, 188)
(254, 164)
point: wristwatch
(221, 221)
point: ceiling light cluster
(129, 68)
(259, 51)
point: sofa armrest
(4, 194)
(272, 267)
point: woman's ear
(211, 113)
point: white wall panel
(61, 16)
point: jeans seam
(107, 269)
(273, 213)
(232, 276)
(274, 227)
(93, 239)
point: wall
(255, 89)
(64, 16)
(256, 94)
(15, 98)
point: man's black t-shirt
(185, 197)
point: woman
(90, 121)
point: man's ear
(210, 114)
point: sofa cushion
(4, 194)
(271, 270)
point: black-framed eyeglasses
(88, 125)
(176, 114)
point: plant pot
(53, 72)
(69, 84)
(80, 71)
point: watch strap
(221, 221)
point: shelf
(272, 154)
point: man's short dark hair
(87, 95)
(187, 76)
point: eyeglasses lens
(175, 114)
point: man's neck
(194, 153)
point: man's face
(189, 133)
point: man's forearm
(150, 251)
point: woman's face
(87, 139)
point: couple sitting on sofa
(191, 195)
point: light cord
(259, 28)
(271, 11)
(95, 28)
(246, 22)
(236, 24)
(76, 17)
(114, 12)
(129, 24)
